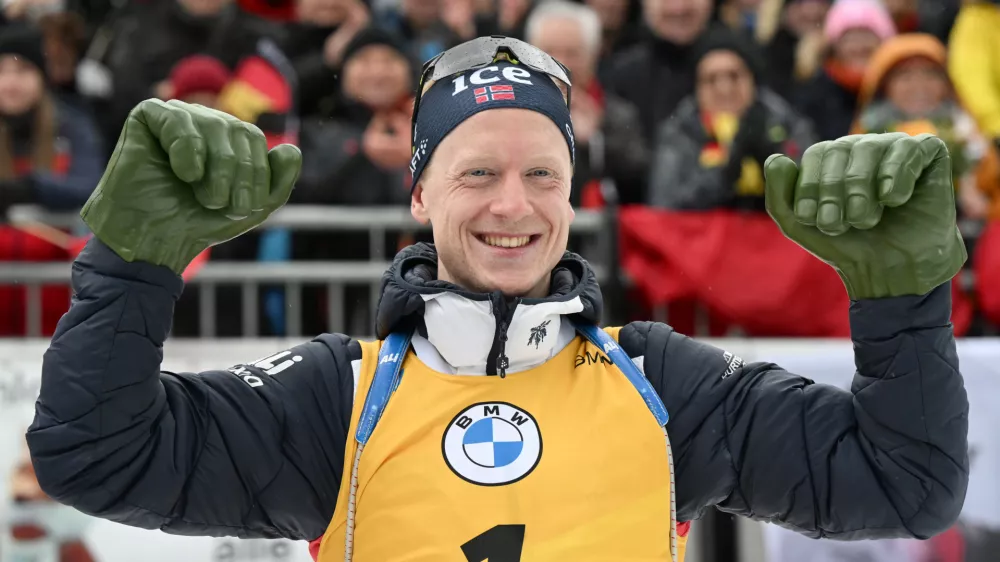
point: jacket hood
(411, 281)
(893, 52)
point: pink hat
(853, 14)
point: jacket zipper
(497, 361)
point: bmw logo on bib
(492, 444)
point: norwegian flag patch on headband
(496, 93)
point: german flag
(262, 92)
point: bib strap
(389, 372)
(601, 339)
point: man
(607, 130)
(559, 448)
(655, 74)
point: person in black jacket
(497, 328)
(609, 141)
(657, 72)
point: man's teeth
(507, 241)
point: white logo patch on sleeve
(270, 365)
(734, 362)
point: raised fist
(184, 177)
(879, 208)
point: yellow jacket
(974, 63)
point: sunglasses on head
(480, 53)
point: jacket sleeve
(253, 451)
(889, 458)
(972, 46)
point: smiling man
(492, 419)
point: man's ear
(417, 207)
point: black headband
(451, 101)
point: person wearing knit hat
(719, 138)
(51, 155)
(23, 83)
(199, 79)
(853, 30)
(907, 89)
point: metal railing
(335, 276)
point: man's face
(677, 21)
(496, 193)
(204, 8)
(917, 87)
(21, 85)
(563, 39)
(611, 12)
(725, 84)
(377, 76)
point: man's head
(677, 21)
(22, 78)
(492, 169)
(569, 32)
(376, 71)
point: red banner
(743, 269)
(986, 264)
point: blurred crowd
(676, 105)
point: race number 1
(502, 543)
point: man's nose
(510, 200)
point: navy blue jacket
(210, 454)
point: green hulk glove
(185, 177)
(879, 208)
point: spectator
(50, 155)
(315, 44)
(619, 31)
(65, 36)
(198, 79)
(938, 16)
(360, 156)
(792, 31)
(424, 25)
(609, 143)
(152, 37)
(906, 89)
(365, 149)
(509, 18)
(711, 152)
(657, 73)
(853, 31)
(974, 63)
